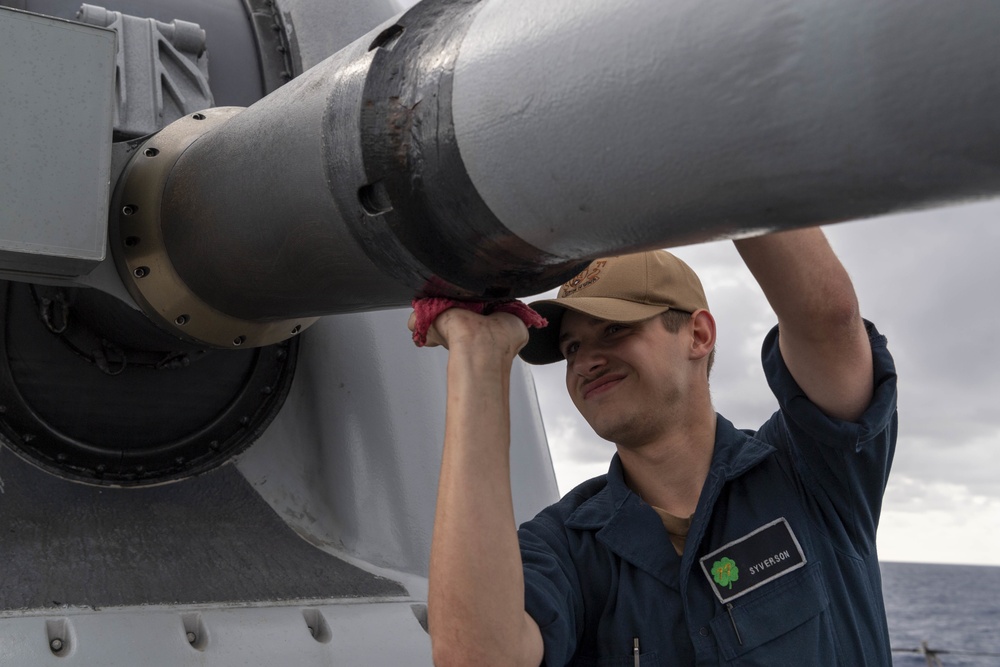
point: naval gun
(220, 447)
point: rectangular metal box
(57, 83)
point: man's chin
(615, 432)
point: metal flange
(141, 256)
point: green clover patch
(725, 572)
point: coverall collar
(630, 528)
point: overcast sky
(927, 280)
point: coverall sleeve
(844, 465)
(552, 593)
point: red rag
(428, 309)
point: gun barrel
(486, 149)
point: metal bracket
(161, 70)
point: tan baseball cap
(627, 288)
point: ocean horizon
(953, 610)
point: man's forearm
(476, 601)
(822, 336)
(801, 276)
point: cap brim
(543, 344)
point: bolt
(244, 421)
(181, 320)
(192, 637)
(129, 209)
(151, 152)
(199, 116)
(56, 645)
(214, 444)
(266, 391)
(141, 271)
(312, 630)
(179, 460)
(101, 467)
(239, 340)
(131, 241)
(298, 328)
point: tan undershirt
(677, 528)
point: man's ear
(703, 334)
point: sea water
(955, 609)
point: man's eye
(569, 349)
(614, 328)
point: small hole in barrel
(387, 38)
(374, 198)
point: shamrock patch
(725, 572)
(764, 554)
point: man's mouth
(601, 384)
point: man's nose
(588, 359)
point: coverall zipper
(635, 651)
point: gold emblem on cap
(585, 278)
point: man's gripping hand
(499, 333)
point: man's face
(627, 379)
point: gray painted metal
(592, 127)
(205, 540)
(350, 465)
(318, 28)
(366, 632)
(273, 188)
(588, 129)
(235, 81)
(161, 70)
(277, 66)
(283, 184)
(137, 242)
(352, 459)
(229, 38)
(55, 148)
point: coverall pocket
(783, 623)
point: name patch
(753, 560)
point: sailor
(703, 544)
